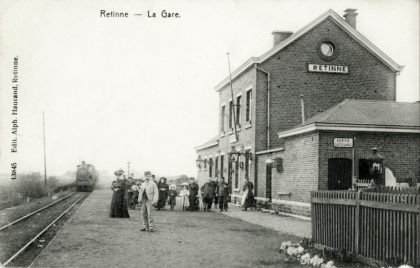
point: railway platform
(194, 239)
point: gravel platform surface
(182, 239)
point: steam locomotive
(86, 177)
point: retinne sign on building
(322, 68)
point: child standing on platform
(185, 194)
(172, 196)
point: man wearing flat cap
(148, 197)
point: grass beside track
(16, 236)
(10, 214)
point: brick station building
(308, 112)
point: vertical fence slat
(369, 235)
(399, 222)
(417, 260)
(387, 234)
(406, 241)
(377, 228)
(396, 229)
(336, 226)
(356, 223)
(410, 228)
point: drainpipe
(268, 104)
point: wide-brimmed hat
(147, 173)
(119, 172)
(185, 184)
(172, 186)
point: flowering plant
(298, 252)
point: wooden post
(313, 218)
(417, 262)
(357, 224)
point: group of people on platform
(218, 191)
(150, 195)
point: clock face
(327, 49)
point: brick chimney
(280, 36)
(350, 16)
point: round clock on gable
(327, 50)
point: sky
(141, 89)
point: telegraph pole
(45, 153)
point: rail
(43, 231)
(36, 211)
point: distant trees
(30, 185)
(181, 179)
(53, 182)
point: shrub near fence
(377, 227)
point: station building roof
(363, 115)
(212, 142)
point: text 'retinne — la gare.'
(149, 14)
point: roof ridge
(355, 34)
(336, 107)
(324, 115)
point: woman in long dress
(194, 196)
(119, 208)
(248, 195)
(163, 193)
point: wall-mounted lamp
(279, 164)
(375, 162)
(234, 154)
(199, 161)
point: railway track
(32, 226)
(36, 211)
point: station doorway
(339, 173)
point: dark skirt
(249, 200)
(119, 207)
(194, 204)
(163, 196)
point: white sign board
(343, 142)
(323, 68)
(232, 138)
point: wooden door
(339, 174)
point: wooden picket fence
(376, 227)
